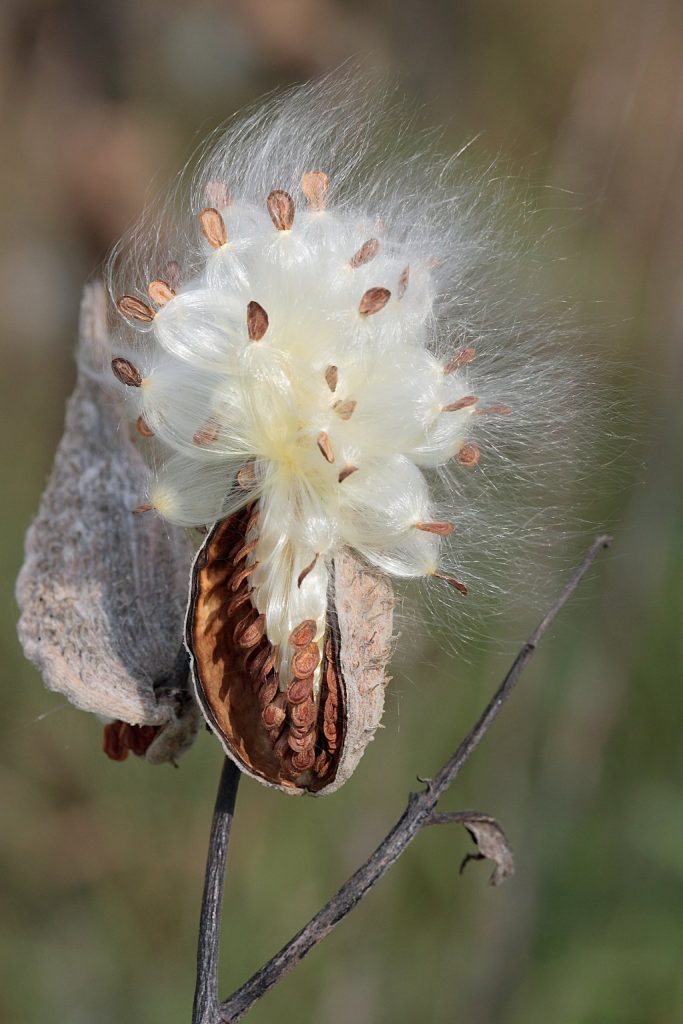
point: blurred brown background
(101, 864)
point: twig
(418, 813)
(206, 1009)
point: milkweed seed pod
(300, 340)
(101, 591)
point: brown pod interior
(280, 735)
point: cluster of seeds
(294, 376)
(301, 723)
(119, 739)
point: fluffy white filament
(321, 330)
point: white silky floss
(307, 340)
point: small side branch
(206, 1007)
(418, 813)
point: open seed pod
(298, 720)
(102, 590)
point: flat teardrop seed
(300, 690)
(300, 743)
(303, 715)
(268, 690)
(250, 636)
(304, 761)
(272, 716)
(304, 633)
(306, 661)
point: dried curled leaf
(102, 591)
(492, 844)
(308, 733)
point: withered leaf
(492, 844)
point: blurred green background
(101, 864)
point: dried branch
(418, 813)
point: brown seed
(268, 690)
(440, 529)
(143, 428)
(330, 710)
(303, 715)
(306, 570)
(300, 690)
(332, 376)
(304, 761)
(403, 282)
(286, 766)
(453, 582)
(301, 743)
(237, 601)
(304, 732)
(346, 472)
(217, 194)
(246, 476)
(344, 410)
(252, 633)
(270, 660)
(331, 675)
(330, 732)
(274, 734)
(373, 300)
(314, 186)
(245, 621)
(281, 748)
(125, 372)
(147, 507)
(281, 209)
(240, 551)
(325, 447)
(207, 434)
(114, 739)
(160, 292)
(367, 252)
(461, 358)
(213, 227)
(469, 454)
(257, 321)
(252, 522)
(306, 661)
(239, 578)
(253, 657)
(494, 410)
(272, 716)
(322, 764)
(303, 634)
(256, 658)
(134, 309)
(173, 274)
(462, 403)
(138, 738)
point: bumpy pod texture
(320, 334)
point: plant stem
(206, 1007)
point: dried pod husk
(102, 591)
(317, 748)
